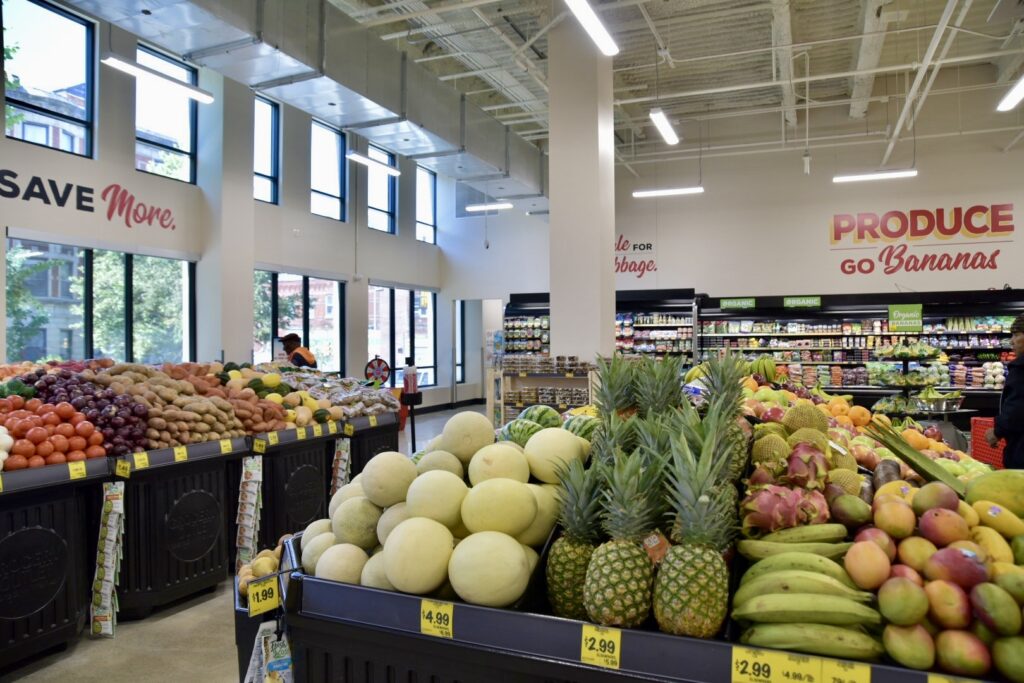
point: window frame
(392, 192)
(193, 113)
(342, 172)
(340, 304)
(411, 317)
(275, 152)
(90, 88)
(460, 342)
(433, 206)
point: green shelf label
(905, 318)
(737, 303)
(801, 302)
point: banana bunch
(826, 397)
(588, 410)
(931, 394)
(797, 598)
(763, 366)
(695, 373)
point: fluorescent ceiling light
(545, 212)
(592, 25)
(367, 161)
(133, 68)
(493, 206)
(661, 122)
(876, 175)
(668, 192)
(1012, 98)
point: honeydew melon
(416, 555)
(489, 568)
(355, 522)
(386, 478)
(320, 526)
(312, 552)
(342, 562)
(373, 575)
(464, 434)
(392, 517)
(503, 505)
(437, 495)
(351, 490)
(548, 508)
(498, 461)
(532, 558)
(551, 449)
(440, 460)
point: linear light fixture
(493, 206)
(661, 122)
(1013, 97)
(876, 175)
(668, 192)
(368, 162)
(130, 66)
(592, 25)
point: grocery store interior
(526, 340)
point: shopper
(298, 355)
(1010, 421)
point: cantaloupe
(341, 562)
(386, 478)
(373, 575)
(503, 505)
(392, 517)
(498, 461)
(350, 490)
(320, 526)
(416, 555)
(437, 495)
(549, 450)
(311, 553)
(440, 460)
(548, 508)
(465, 433)
(490, 569)
(355, 522)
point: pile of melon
(464, 520)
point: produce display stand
(48, 522)
(177, 513)
(246, 627)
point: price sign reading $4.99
(437, 618)
(601, 646)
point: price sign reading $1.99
(601, 646)
(263, 596)
(437, 618)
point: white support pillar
(582, 172)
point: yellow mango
(999, 517)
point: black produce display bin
(370, 440)
(246, 627)
(176, 525)
(48, 528)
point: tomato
(17, 402)
(5, 405)
(65, 410)
(56, 459)
(84, 429)
(60, 443)
(66, 429)
(45, 409)
(76, 418)
(44, 448)
(33, 404)
(95, 452)
(77, 443)
(34, 420)
(36, 461)
(36, 435)
(10, 422)
(76, 456)
(50, 430)
(15, 462)
(95, 439)
(19, 429)
(23, 447)
(51, 419)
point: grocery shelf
(29, 479)
(165, 457)
(559, 406)
(548, 375)
(658, 325)
(843, 334)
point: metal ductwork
(311, 55)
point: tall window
(327, 172)
(460, 341)
(424, 317)
(165, 119)
(379, 325)
(265, 162)
(64, 303)
(310, 307)
(402, 324)
(426, 206)
(48, 90)
(381, 189)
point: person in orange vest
(298, 355)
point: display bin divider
(29, 479)
(164, 457)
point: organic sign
(734, 304)
(801, 302)
(905, 318)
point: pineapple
(616, 437)
(570, 554)
(614, 392)
(691, 593)
(620, 577)
(722, 379)
(657, 385)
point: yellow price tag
(273, 438)
(300, 433)
(522, 374)
(843, 671)
(373, 420)
(180, 454)
(750, 665)
(123, 468)
(76, 470)
(259, 446)
(225, 446)
(332, 427)
(569, 375)
(1, 484)
(318, 429)
(263, 596)
(437, 618)
(349, 429)
(601, 646)
(141, 460)
(939, 678)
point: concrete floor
(191, 641)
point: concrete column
(582, 172)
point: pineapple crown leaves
(722, 378)
(615, 436)
(614, 391)
(703, 508)
(580, 499)
(631, 497)
(657, 385)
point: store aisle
(192, 641)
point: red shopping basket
(980, 450)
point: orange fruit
(860, 415)
(838, 409)
(844, 420)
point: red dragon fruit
(806, 467)
(763, 475)
(771, 508)
(813, 508)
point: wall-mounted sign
(636, 258)
(922, 240)
(737, 304)
(801, 302)
(121, 203)
(905, 318)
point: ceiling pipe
(942, 55)
(380, 20)
(926, 62)
(1013, 142)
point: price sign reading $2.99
(601, 646)
(755, 666)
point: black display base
(247, 627)
(374, 440)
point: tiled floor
(191, 641)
